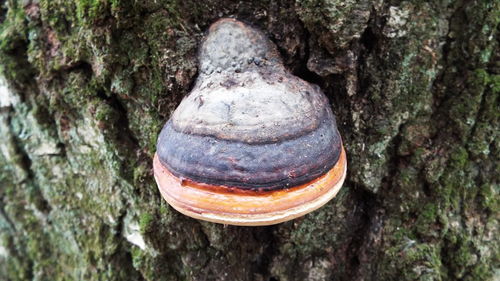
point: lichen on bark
(85, 87)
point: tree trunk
(85, 87)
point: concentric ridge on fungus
(248, 124)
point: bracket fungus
(251, 144)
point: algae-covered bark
(85, 87)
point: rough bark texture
(86, 86)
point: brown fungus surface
(249, 123)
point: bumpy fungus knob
(251, 144)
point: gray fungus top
(233, 46)
(244, 100)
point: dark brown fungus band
(251, 144)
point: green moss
(484, 133)
(495, 83)
(425, 223)
(92, 10)
(141, 173)
(335, 22)
(146, 222)
(105, 113)
(461, 254)
(459, 158)
(414, 261)
(480, 272)
(163, 209)
(407, 178)
(12, 30)
(490, 197)
(464, 260)
(137, 257)
(13, 40)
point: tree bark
(85, 87)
